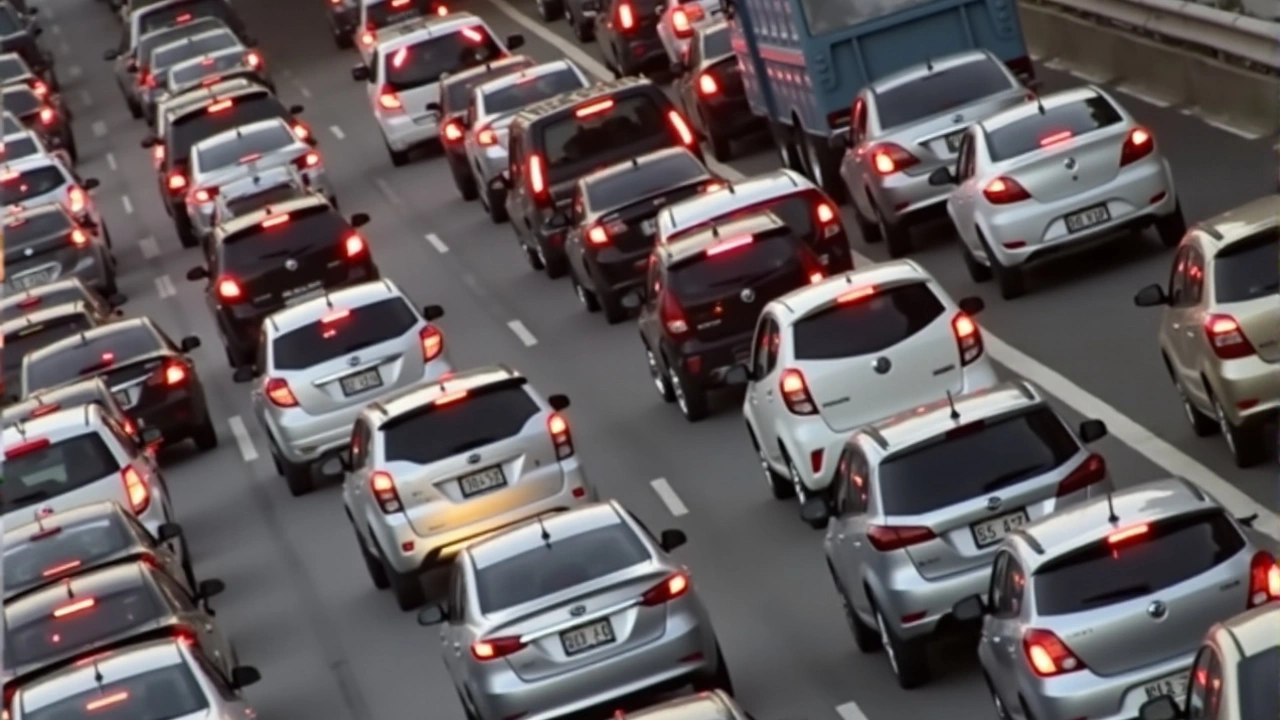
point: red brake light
(673, 316)
(486, 137)
(367, 38)
(184, 17)
(279, 393)
(441, 11)
(687, 138)
(472, 34)
(889, 158)
(1004, 191)
(25, 448)
(854, 296)
(310, 160)
(399, 3)
(1121, 536)
(1264, 579)
(114, 698)
(77, 199)
(626, 16)
(175, 373)
(1138, 145)
(450, 398)
(302, 131)
(1056, 138)
(79, 238)
(253, 60)
(219, 106)
(383, 487)
(274, 221)
(453, 131)
(229, 290)
(725, 246)
(495, 648)
(205, 195)
(1226, 338)
(594, 108)
(1090, 472)
(389, 100)
(560, 437)
(432, 342)
(47, 116)
(968, 338)
(61, 568)
(45, 410)
(72, 608)
(39, 88)
(826, 213)
(885, 538)
(795, 393)
(335, 316)
(672, 587)
(137, 490)
(537, 179)
(177, 181)
(597, 235)
(1048, 655)
(683, 18)
(353, 246)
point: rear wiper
(27, 499)
(1123, 593)
(1011, 477)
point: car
(580, 16)
(680, 23)
(42, 179)
(25, 143)
(493, 106)
(162, 678)
(613, 223)
(89, 391)
(375, 16)
(344, 20)
(41, 328)
(233, 154)
(702, 296)
(889, 335)
(12, 124)
(15, 71)
(1106, 603)
(165, 57)
(455, 94)
(920, 502)
(711, 705)
(51, 548)
(44, 243)
(906, 125)
(281, 255)
(244, 87)
(131, 72)
(320, 362)
(440, 464)
(1233, 673)
(251, 193)
(555, 142)
(151, 376)
(16, 304)
(211, 69)
(1048, 176)
(642, 623)
(402, 74)
(627, 34)
(1219, 326)
(19, 34)
(42, 115)
(709, 89)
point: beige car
(1220, 335)
(1234, 676)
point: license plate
(302, 294)
(30, 280)
(581, 639)
(990, 532)
(953, 141)
(1087, 218)
(361, 382)
(649, 227)
(483, 481)
(1173, 685)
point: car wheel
(205, 436)
(555, 266)
(779, 485)
(721, 148)
(719, 680)
(661, 380)
(1247, 444)
(1172, 227)
(377, 571)
(135, 109)
(1202, 425)
(406, 587)
(399, 158)
(1012, 280)
(908, 661)
(869, 231)
(297, 477)
(465, 182)
(344, 41)
(585, 296)
(1002, 711)
(897, 238)
(550, 10)
(978, 272)
(690, 397)
(864, 636)
(496, 205)
(186, 233)
(611, 304)
(534, 257)
(802, 493)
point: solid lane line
(241, 434)
(111, 162)
(523, 333)
(668, 496)
(850, 711)
(99, 128)
(337, 132)
(164, 287)
(149, 247)
(127, 203)
(437, 243)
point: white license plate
(1173, 686)
(483, 481)
(953, 141)
(990, 532)
(301, 295)
(1087, 218)
(649, 227)
(30, 280)
(581, 639)
(361, 382)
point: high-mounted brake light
(108, 358)
(450, 398)
(250, 158)
(1137, 145)
(687, 138)
(47, 116)
(826, 213)
(1227, 338)
(43, 410)
(494, 648)
(1090, 472)
(114, 698)
(1264, 579)
(206, 62)
(594, 108)
(10, 176)
(1048, 655)
(229, 289)
(274, 221)
(968, 338)
(537, 179)
(79, 238)
(725, 246)
(558, 427)
(400, 3)
(39, 88)
(177, 181)
(432, 341)
(219, 106)
(353, 246)
(60, 568)
(398, 60)
(854, 296)
(72, 608)
(1121, 536)
(683, 18)
(136, 489)
(453, 131)
(486, 137)
(335, 316)
(279, 393)
(1056, 138)
(672, 587)
(890, 158)
(253, 60)
(626, 16)
(77, 199)
(184, 17)
(383, 487)
(389, 100)
(472, 34)
(25, 448)
(887, 538)
(795, 393)
(707, 85)
(1004, 191)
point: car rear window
(1170, 552)
(48, 638)
(256, 201)
(1258, 689)
(647, 178)
(244, 147)
(706, 278)
(36, 226)
(167, 56)
(458, 92)
(598, 128)
(170, 692)
(717, 43)
(206, 122)
(865, 325)
(342, 333)
(565, 563)
(12, 67)
(96, 354)
(941, 91)
(11, 124)
(31, 562)
(9, 23)
(423, 63)
(189, 11)
(435, 433)
(256, 249)
(30, 338)
(188, 73)
(796, 210)
(393, 12)
(21, 101)
(16, 147)
(975, 460)
(531, 90)
(25, 184)
(1026, 135)
(16, 306)
(46, 473)
(159, 38)
(1248, 269)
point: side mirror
(972, 305)
(168, 531)
(941, 177)
(839, 142)
(149, 141)
(189, 343)
(434, 107)
(737, 375)
(111, 54)
(671, 539)
(677, 68)
(1161, 708)
(198, 272)
(90, 183)
(117, 300)
(1092, 431)
(244, 676)
(1151, 296)
(631, 301)
(816, 512)
(514, 41)
(432, 312)
(558, 402)
(359, 220)
(431, 615)
(296, 109)
(360, 73)
(244, 374)
(969, 609)
(210, 588)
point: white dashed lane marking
(243, 441)
(385, 187)
(337, 132)
(523, 333)
(74, 71)
(86, 98)
(99, 129)
(111, 162)
(437, 243)
(164, 287)
(149, 247)
(127, 203)
(668, 496)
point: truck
(803, 61)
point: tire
(111, 287)
(297, 478)
(611, 304)
(661, 379)
(978, 272)
(908, 661)
(869, 231)
(377, 571)
(135, 109)
(555, 266)
(719, 680)
(496, 205)
(399, 158)
(897, 238)
(1011, 280)
(188, 571)
(1002, 712)
(465, 182)
(406, 588)
(73, 150)
(106, 236)
(343, 41)
(535, 261)
(206, 436)
(690, 398)
(721, 148)
(585, 296)
(1202, 425)
(864, 636)
(585, 32)
(823, 169)
(1247, 444)
(779, 485)
(1172, 227)
(800, 492)
(186, 233)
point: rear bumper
(402, 133)
(1248, 388)
(1086, 694)
(176, 417)
(636, 55)
(706, 364)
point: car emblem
(354, 360)
(1069, 163)
(578, 610)
(881, 365)
(1157, 610)
(748, 295)
(993, 503)
(290, 264)
(957, 118)
(29, 252)
(474, 458)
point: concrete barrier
(1221, 92)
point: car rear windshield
(645, 179)
(1248, 269)
(865, 325)
(975, 460)
(11, 124)
(20, 101)
(30, 562)
(601, 128)
(30, 338)
(796, 210)
(16, 306)
(192, 72)
(1026, 135)
(458, 93)
(33, 182)
(1258, 689)
(170, 692)
(9, 22)
(436, 433)
(423, 63)
(246, 146)
(531, 90)
(393, 12)
(1169, 552)
(342, 333)
(256, 201)
(160, 38)
(717, 43)
(548, 569)
(63, 466)
(17, 147)
(941, 91)
(36, 226)
(256, 249)
(202, 123)
(97, 353)
(189, 11)
(706, 278)
(167, 56)
(12, 67)
(47, 638)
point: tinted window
(188, 11)
(941, 91)
(706, 278)
(568, 562)
(436, 433)
(417, 65)
(531, 90)
(47, 638)
(9, 23)
(259, 249)
(230, 150)
(1248, 269)
(33, 337)
(191, 72)
(644, 180)
(577, 141)
(1259, 689)
(96, 354)
(202, 124)
(22, 102)
(31, 183)
(458, 93)
(796, 211)
(12, 307)
(1023, 136)
(36, 226)
(974, 460)
(30, 562)
(1170, 552)
(866, 325)
(11, 67)
(11, 124)
(55, 470)
(257, 201)
(159, 38)
(825, 16)
(394, 12)
(18, 146)
(359, 328)
(162, 694)
(167, 56)
(716, 44)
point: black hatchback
(18, 33)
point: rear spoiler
(157, 630)
(503, 384)
(704, 181)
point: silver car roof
(113, 667)
(412, 398)
(296, 316)
(230, 136)
(546, 68)
(921, 424)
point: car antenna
(1039, 102)
(955, 414)
(715, 231)
(928, 64)
(97, 676)
(328, 300)
(1113, 518)
(39, 521)
(71, 594)
(546, 536)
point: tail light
(889, 158)
(39, 88)
(148, 80)
(537, 177)
(280, 394)
(389, 100)
(1138, 145)
(560, 436)
(308, 161)
(135, 488)
(204, 195)
(1047, 655)
(486, 137)
(494, 648)
(707, 85)
(673, 316)
(253, 60)
(353, 246)
(968, 338)
(626, 16)
(1226, 338)
(826, 214)
(432, 342)
(678, 123)
(1264, 579)
(672, 587)
(1090, 472)
(600, 234)
(79, 238)
(795, 393)
(229, 290)
(886, 538)
(368, 38)
(1005, 191)
(25, 448)
(77, 199)
(302, 131)
(157, 153)
(383, 487)
(442, 10)
(177, 181)
(683, 18)
(172, 373)
(453, 132)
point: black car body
(627, 31)
(710, 89)
(613, 223)
(41, 328)
(18, 33)
(16, 304)
(274, 257)
(555, 142)
(14, 71)
(46, 116)
(150, 375)
(703, 295)
(47, 241)
(344, 18)
(455, 97)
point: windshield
(163, 694)
(34, 562)
(1248, 269)
(866, 325)
(48, 472)
(243, 147)
(34, 182)
(192, 72)
(19, 343)
(458, 92)
(169, 55)
(625, 186)
(436, 433)
(20, 101)
(12, 67)
(344, 333)
(1074, 119)
(422, 64)
(379, 15)
(36, 226)
(216, 117)
(16, 147)
(160, 38)
(528, 91)
(1259, 688)
(98, 353)
(717, 43)
(9, 23)
(80, 625)
(941, 91)
(704, 278)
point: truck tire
(788, 151)
(822, 166)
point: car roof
(625, 166)
(56, 425)
(497, 65)
(555, 104)
(43, 315)
(199, 98)
(1223, 230)
(21, 212)
(529, 534)
(41, 291)
(916, 425)
(243, 222)
(355, 296)
(33, 162)
(189, 39)
(239, 131)
(802, 301)
(95, 583)
(700, 240)
(714, 705)
(112, 667)
(536, 70)
(78, 393)
(414, 31)
(918, 71)
(411, 398)
(734, 195)
(78, 515)
(1053, 100)
(93, 334)
(1255, 631)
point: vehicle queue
(950, 499)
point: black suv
(280, 255)
(613, 223)
(455, 100)
(627, 31)
(557, 141)
(702, 297)
(18, 33)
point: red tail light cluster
(453, 132)
(495, 648)
(626, 16)
(136, 489)
(795, 393)
(683, 19)
(1090, 472)
(1226, 338)
(669, 589)
(1047, 655)
(229, 290)
(383, 487)
(1264, 579)
(280, 394)
(389, 100)
(889, 158)
(886, 538)
(432, 342)
(1138, 145)
(1005, 191)
(968, 338)
(673, 318)
(558, 427)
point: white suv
(855, 348)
